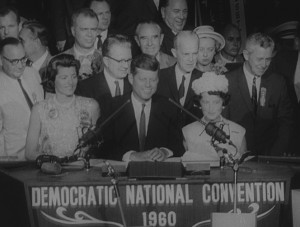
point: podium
(86, 198)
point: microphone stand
(235, 168)
(114, 181)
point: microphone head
(52, 168)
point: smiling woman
(57, 123)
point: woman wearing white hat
(212, 91)
(210, 42)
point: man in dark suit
(145, 128)
(174, 14)
(34, 37)
(287, 63)
(102, 9)
(259, 99)
(176, 81)
(112, 81)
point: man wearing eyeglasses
(112, 81)
(19, 91)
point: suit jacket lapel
(127, 86)
(190, 93)
(244, 90)
(103, 85)
(173, 85)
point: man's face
(144, 84)
(258, 61)
(28, 41)
(118, 61)
(186, 53)
(9, 26)
(85, 31)
(149, 39)
(175, 14)
(102, 10)
(13, 60)
(207, 50)
(232, 42)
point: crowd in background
(81, 60)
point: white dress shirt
(297, 78)
(111, 83)
(249, 78)
(38, 63)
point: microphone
(92, 133)
(110, 169)
(210, 128)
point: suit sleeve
(285, 122)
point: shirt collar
(136, 102)
(78, 53)
(38, 63)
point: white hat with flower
(210, 81)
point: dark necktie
(142, 133)
(118, 90)
(99, 43)
(254, 95)
(181, 88)
(28, 100)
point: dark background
(259, 14)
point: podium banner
(157, 203)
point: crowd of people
(162, 79)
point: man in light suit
(19, 90)
(176, 81)
(259, 99)
(112, 81)
(85, 29)
(145, 128)
(34, 37)
(149, 37)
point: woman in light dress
(212, 91)
(58, 122)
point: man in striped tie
(259, 99)
(146, 128)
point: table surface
(249, 171)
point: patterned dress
(63, 124)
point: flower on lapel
(34, 97)
(84, 118)
(92, 64)
(219, 68)
(263, 93)
(53, 113)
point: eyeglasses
(15, 62)
(120, 61)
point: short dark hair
(87, 12)
(38, 30)
(89, 3)
(63, 60)
(112, 40)
(9, 41)
(144, 61)
(7, 9)
(224, 96)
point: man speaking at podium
(145, 129)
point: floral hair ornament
(210, 81)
